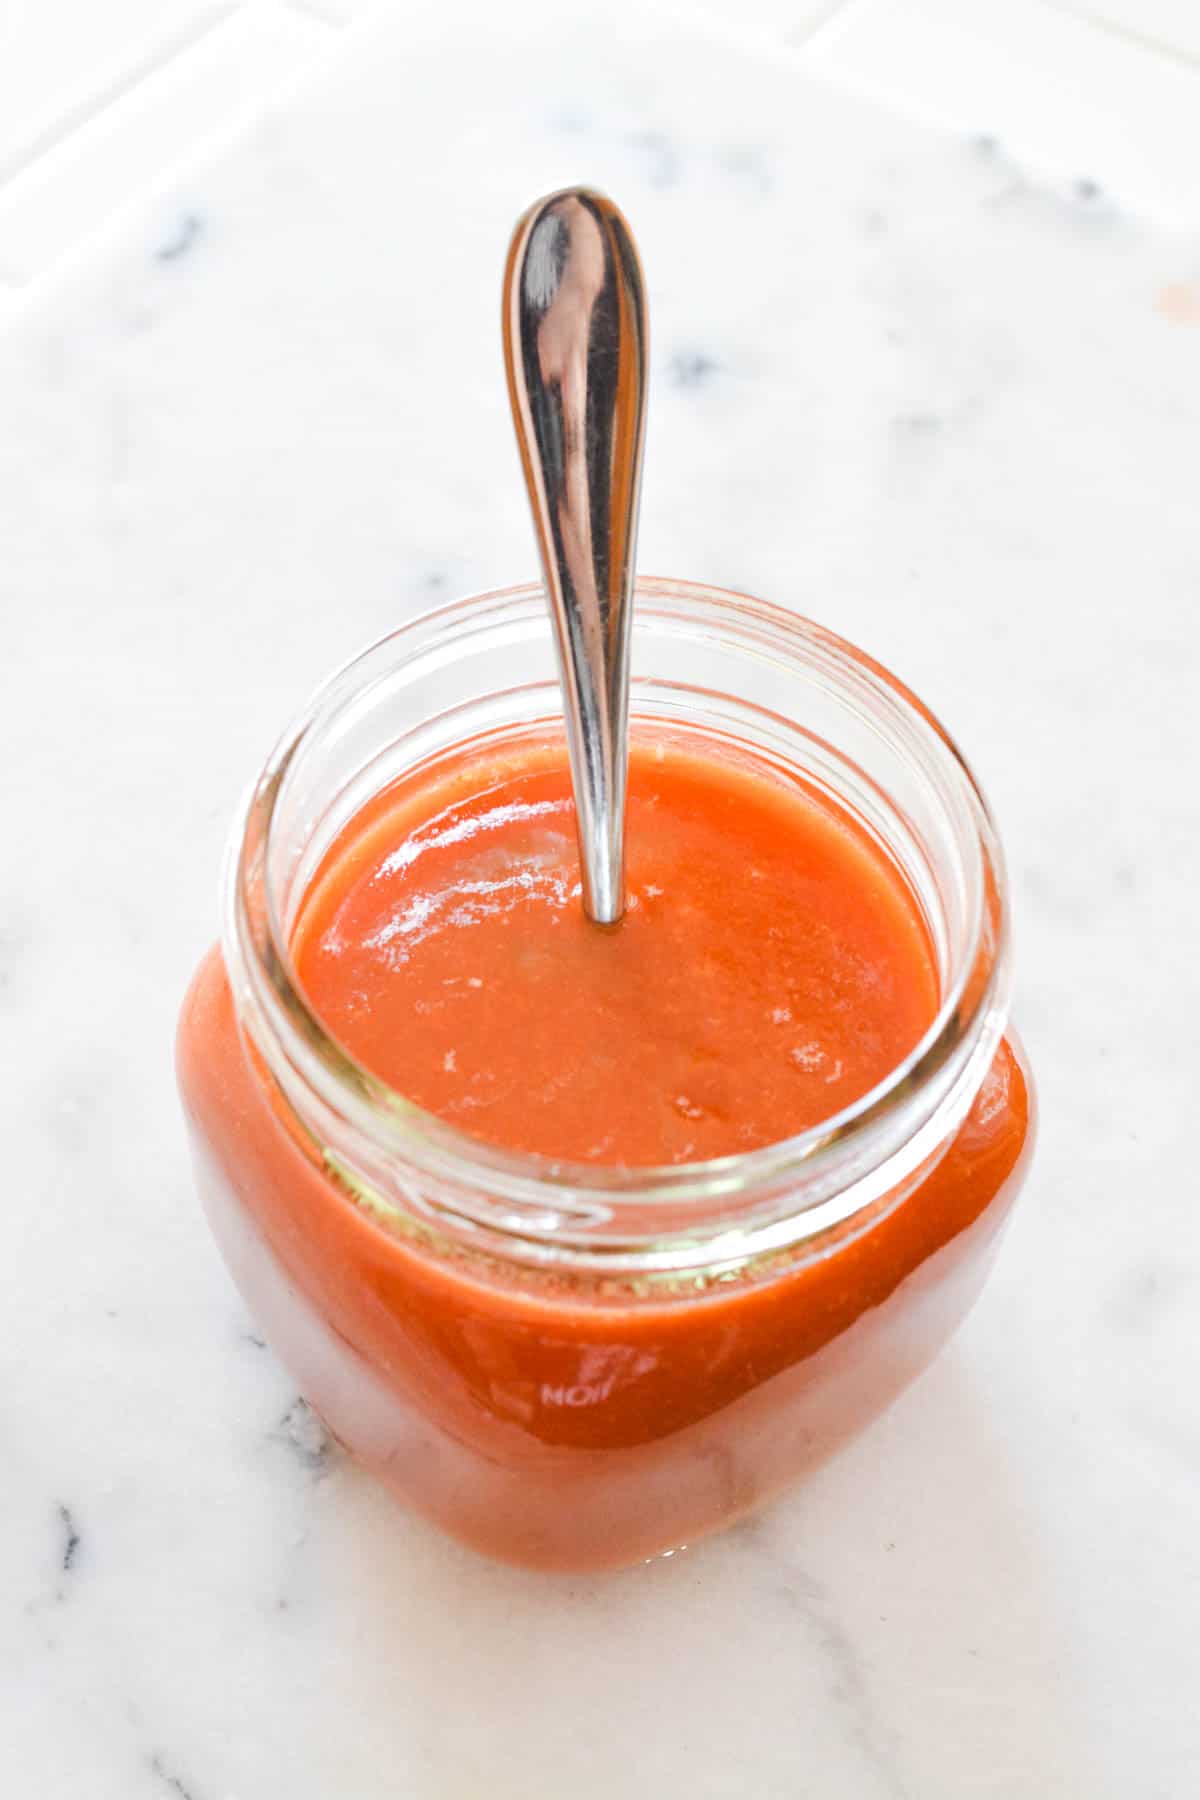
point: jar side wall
(656, 1433)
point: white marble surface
(899, 384)
(102, 105)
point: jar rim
(554, 1201)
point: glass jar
(581, 1366)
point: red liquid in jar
(773, 967)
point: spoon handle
(575, 352)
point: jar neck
(716, 664)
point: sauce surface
(772, 965)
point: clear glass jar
(582, 1366)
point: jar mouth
(373, 1136)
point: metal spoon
(575, 351)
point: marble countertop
(947, 407)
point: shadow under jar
(581, 1366)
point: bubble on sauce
(450, 1062)
(687, 1109)
(781, 1015)
(814, 1060)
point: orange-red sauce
(771, 966)
(559, 1421)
